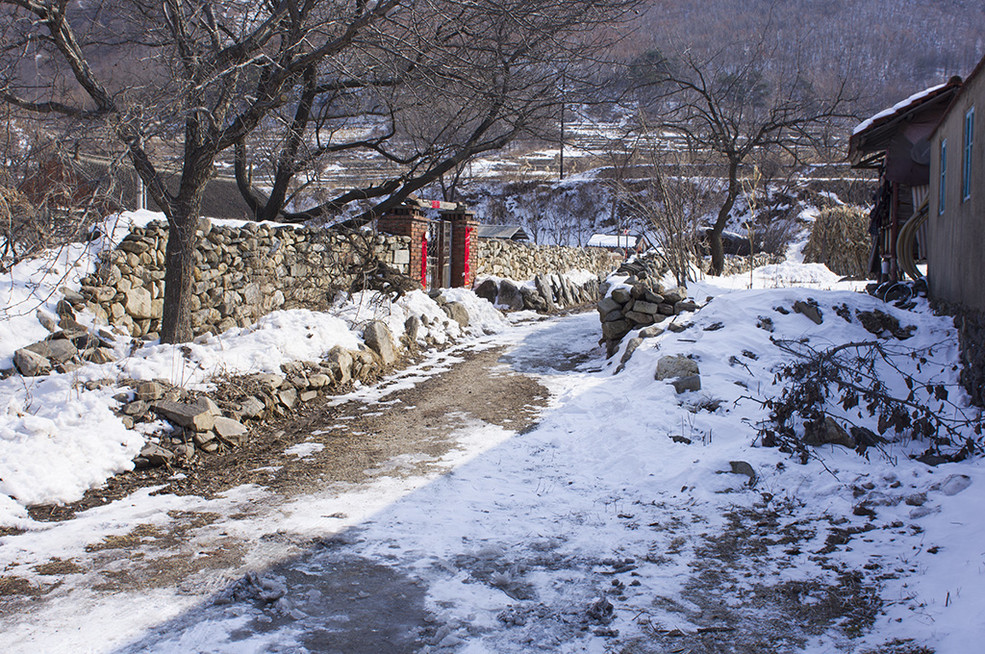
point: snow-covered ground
(620, 523)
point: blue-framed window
(942, 184)
(969, 140)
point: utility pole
(561, 159)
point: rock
(56, 350)
(270, 381)
(631, 346)
(510, 296)
(457, 312)
(31, 364)
(150, 391)
(72, 296)
(211, 446)
(98, 355)
(136, 408)
(615, 330)
(153, 456)
(47, 320)
(916, 499)
(744, 468)
(685, 384)
(955, 484)
(319, 380)
(488, 290)
(206, 403)
(229, 431)
(684, 305)
(651, 332)
(642, 306)
(192, 416)
(674, 295)
(829, 432)
(339, 363)
(532, 300)
(412, 327)
(378, 337)
(252, 407)
(543, 284)
(651, 296)
(138, 303)
(639, 318)
(676, 366)
(288, 397)
(809, 310)
(607, 305)
(621, 295)
(307, 396)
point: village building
(957, 197)
(896, 143)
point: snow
(59, 436)
(903, 104)
(618, 468)
(612, 241)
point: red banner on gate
(468, 243)
(424, 261)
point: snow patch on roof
(913, 99)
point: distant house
(634, 242)
(504, 232)
(956, 266)
(896, 142)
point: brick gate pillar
(409, 221)
(463, 248)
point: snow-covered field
(620, 523)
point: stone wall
(520, 261)
(971, 339)
(244, 273)
(240, 274)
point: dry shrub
(840, 240)
(19, 232)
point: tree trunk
(715, 235)
(176, 324)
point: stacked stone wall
(520, 261)
(241, 274)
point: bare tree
(201, 77)
(664, 200)
(440, 85)
(213, 72)
(740, 101)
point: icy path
(614, 524)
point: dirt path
(406, 432)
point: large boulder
(510, 296)
(457, 312)
(488, 290)
(676, 366)
(379, 339)
(543, 284)
(532, 299)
